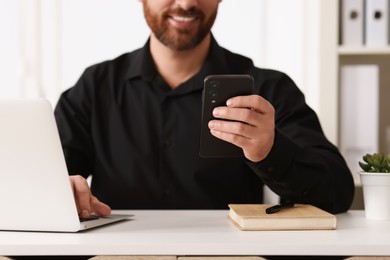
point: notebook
(298, 217)
(35, 191)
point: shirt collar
(142, 65)
(215, 64)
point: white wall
(10, 61)
(284, 41)
(97, 30)
(240, 28)
(292, 43)
(301, 39)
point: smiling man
(133, 123)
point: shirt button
(167, 192)
(167, 143)
(271, 169)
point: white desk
(202, 233)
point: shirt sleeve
(303, 166)
(72, 114)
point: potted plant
(375, 179)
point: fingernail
(216, 112)
(211, 124)
(229, 102)
(85, 213)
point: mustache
(181, 12)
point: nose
(187, 4)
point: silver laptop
(35, 191)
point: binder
(359, 113)
(377, 22)
(352, 16)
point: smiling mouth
(183, 19)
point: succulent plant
(376, 162)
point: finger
(82, 196)
(252, 152)
(239, 114)
(237, 140)
(99, 207)
(255, 102)
(232, 127)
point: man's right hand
(85, 201)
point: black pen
(279, 207)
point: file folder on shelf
(359, 113)
(377, 22)
(352, 24)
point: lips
(183, 22)
(183, 19)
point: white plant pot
(376, 195)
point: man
(133, 123)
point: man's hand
(85, 201)
(255, 133)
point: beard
(176, 38)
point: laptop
(35, 191)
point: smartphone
(216, 91)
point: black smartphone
(216, 91)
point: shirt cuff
(274, 167)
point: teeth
(183, 19)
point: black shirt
(139, 139)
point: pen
(279, 207)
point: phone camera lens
(214, 85)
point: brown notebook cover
(299, 217)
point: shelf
(350, 50)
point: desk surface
(186, 232)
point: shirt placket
(166, 142)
